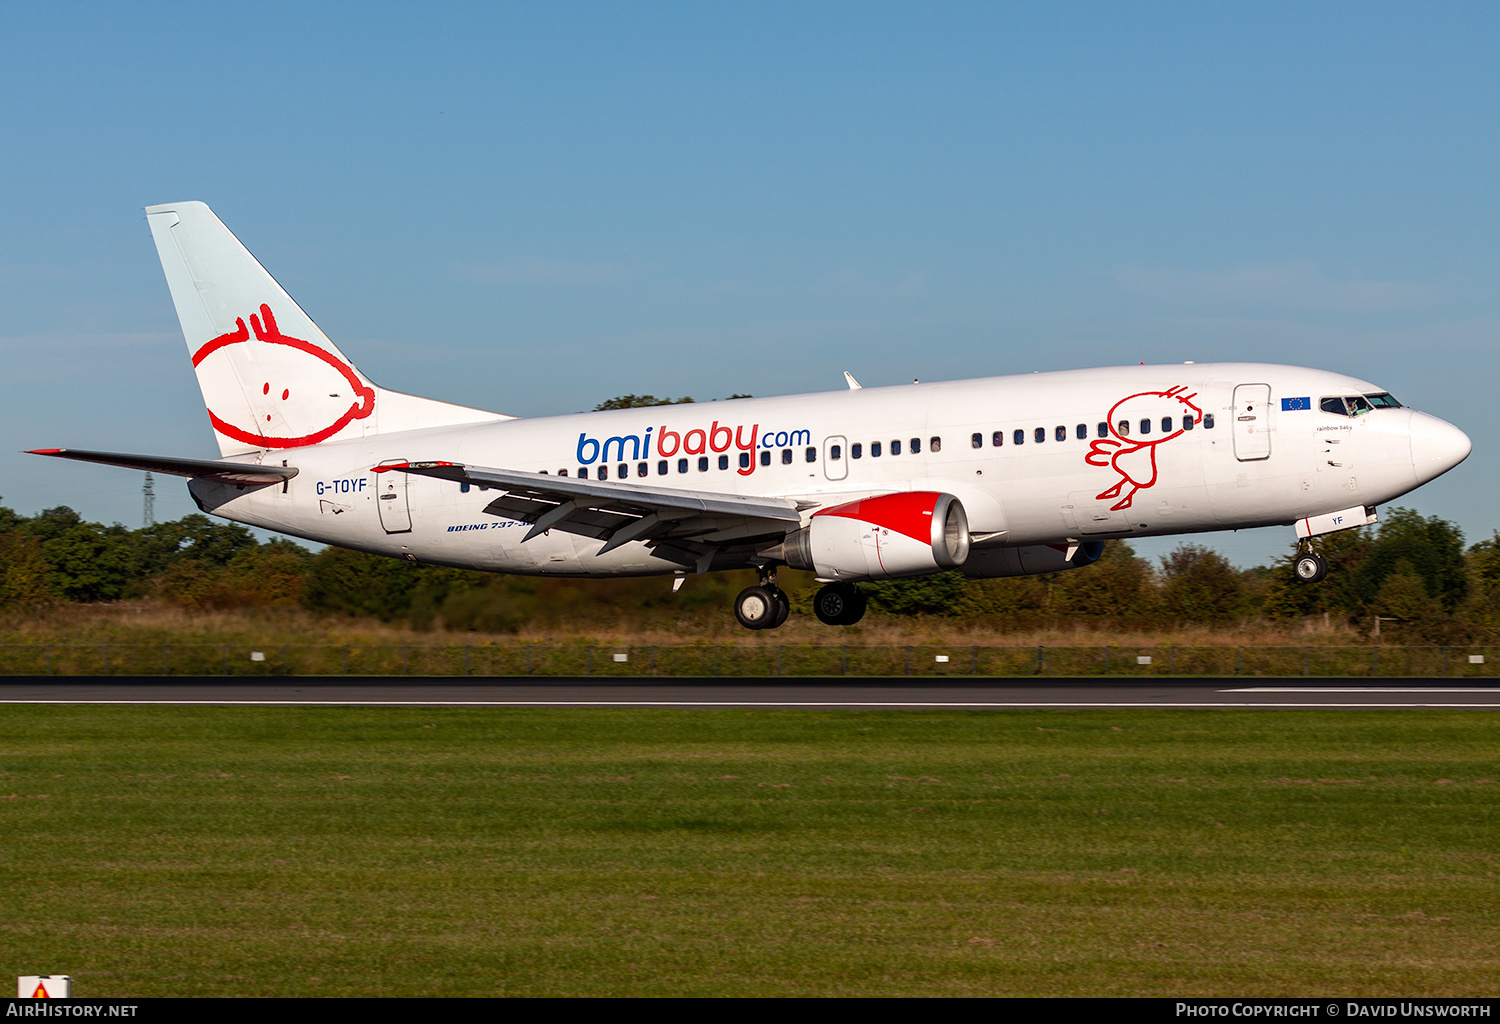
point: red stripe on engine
(908, 513)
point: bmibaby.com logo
(716, 438)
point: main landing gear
(1309, 567)
(765, 606)
(762, 607)
(839, 604)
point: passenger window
(1039, 434)
(1208, 421)
(856, 450)
(934, 445)
(1334, 405)
(744, 460)
(812, 454)
(1082, 430)
(786, 456)
(682, 465)
(1059, 433)
(998, 438)
(1102, 430)
(463, 488)
(644, 469)
(703, 463)
(542, 471)
(723, 462)
(1018, 437)
(624, 471)
(583, 472)
(977, 440)
(1145, 426)
(562, 472)
(603, 472)
(874, 449)
(1123, 428)
(1187, 423)
(916, 446)
(895, 447)
(765, 457)
(1166, 424)
(835, 452)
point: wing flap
(695, 522)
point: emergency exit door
(835, 458)
(1252, 422)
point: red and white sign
(44, 986)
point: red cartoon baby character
(278, 391)
(1156, 416)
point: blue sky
(535, 207)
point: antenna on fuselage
(853, 384)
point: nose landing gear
(1309, 567)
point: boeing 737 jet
(999, 476)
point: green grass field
(304, 851)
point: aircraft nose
(1436, 446)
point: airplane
(997, 476)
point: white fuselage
(1271, 456)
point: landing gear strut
(839, 604)
(765, 606)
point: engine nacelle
(908, 534)
(1030, 559)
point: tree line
(1413, 572)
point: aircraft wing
(688, 527)
(242, 473)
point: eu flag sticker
(1293, 404)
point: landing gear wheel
(856, 608)
(839, 604)
(756, 607)
(1310, 567)
(783, 607)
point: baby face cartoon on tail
(1137, 424)
(276, 391)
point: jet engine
(907, 534)
(1030, 559)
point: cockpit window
(1358, 405)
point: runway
(830, 693)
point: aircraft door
(1252, 422)
(835, 458)
(390, 498)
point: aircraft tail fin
(270, 378)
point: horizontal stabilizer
(197, 469)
